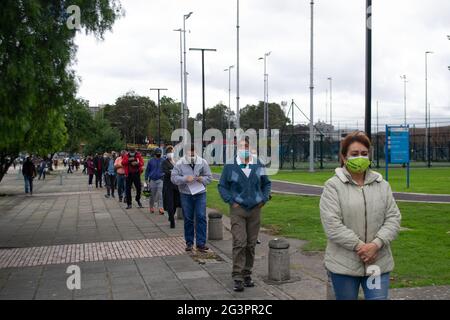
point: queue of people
(358, 212)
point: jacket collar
(346, 177)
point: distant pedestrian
(90, 170)
(360, 218)
(29, 173)
(133, 164)
(110, 174)
(69, 166)
(121, 179)
(42, 169)
(98, 165)
(153, 176)
(171, 195)
(245, 186)
(192, 174)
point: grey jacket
(353, 215)
(183, 169)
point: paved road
(310, 190)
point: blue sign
(398, 145)
(397, 148)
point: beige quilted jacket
(353, 215)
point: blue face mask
(244, 154)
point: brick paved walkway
(41, 235)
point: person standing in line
(192, 174)
(98, 165)
(110, 174)
(133, 164)
(245, 187)
(121, 180)
(153, 176)
(171, 195)
(90, 170)
(360, 218)
(29, 173)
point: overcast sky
(143, 51)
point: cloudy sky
(143, 51)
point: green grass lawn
(422, 180)
(421, 254)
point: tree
(37, 50)
(131, 114)
(252, 116)
(103, 138)
(79, 124)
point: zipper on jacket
(365, 215)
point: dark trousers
(110, 184)
(133, 178)
(98, 179)
(91, 177)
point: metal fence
(294, 148)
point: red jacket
(127, 166)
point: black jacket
(29, 169)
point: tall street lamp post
(229, 95)
(159, 112)
(203, 86)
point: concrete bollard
(279, 260)
(179, 213)
(215, 227)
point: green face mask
(358, 164)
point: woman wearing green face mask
(360, 218)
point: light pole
(181, 76)
(159, 112)
(185, 110)
(229, 95)
(311, 88)
(331, 100)
(405, 81)
(368, 111)
(238, 111)
(427, 133)
(203, 85)
(266, 91)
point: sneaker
(248, 282)
(161, 211)
(107, 196)
(113, 196)
(258, 241)
(238, 286)
(189, 248)
(202, 248)
(129, 206)
(139, 204)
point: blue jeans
(28, 184)
(347, 287)
(194, 205)
(121, 185)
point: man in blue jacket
(153, 176)
(245, 186)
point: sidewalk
(129, 254)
